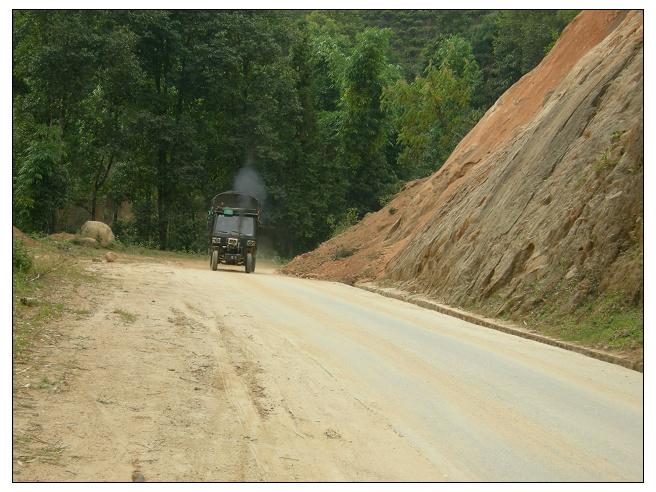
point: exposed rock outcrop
(99, 231)
(540, 204)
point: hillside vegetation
(137, 118)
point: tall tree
(363, 127)
(522, 39)
(41, 180)
(54, 58)
(434, 112)
(101, 137)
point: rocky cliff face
(539, 209)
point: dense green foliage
(333, 109)
(21, 258)
(435, 111)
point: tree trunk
(162, 220)
(99, 182)
(94, 200)
(162, 209)
(52, 221)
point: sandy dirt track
(225, 376)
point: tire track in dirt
(146, 401)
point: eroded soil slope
(539, 209)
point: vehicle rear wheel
(214, 261)
(250, 263)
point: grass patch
(70, 248)
(607, 323)
(616, 136)
(606, 160)
(49, 281)
(343, 253)
(22, 439)
(46, 383)
(51, 453)
(126, 316)
(30, 448)
(609, 158)
(21, 257)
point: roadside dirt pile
(18, 235)
(540, 205)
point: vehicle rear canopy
(240, 203)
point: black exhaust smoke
(248, 181)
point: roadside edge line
(495, 325)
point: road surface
(184, 374)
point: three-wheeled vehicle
(232, 226)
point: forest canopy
(334, 110)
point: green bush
(21, 257)
(350, 218)
(125, 230)
(343, 253)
